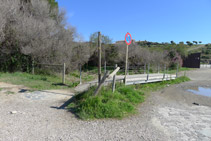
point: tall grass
(122, 103)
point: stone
(13, 112)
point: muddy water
(200, 91)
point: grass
(9, 92)
(45, 80)
(1, 89)
(122, 103)
(180, 69)
(35, 82)
(86, 76)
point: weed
(123, 102)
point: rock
(13, 112)
(196, 104)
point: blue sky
(152, 20)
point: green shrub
(107, 104)
(123, 102)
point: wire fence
(85, 74)
(49, 69)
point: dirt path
(166, 115)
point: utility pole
(99, 58)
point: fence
(146, 70)
(142, 74)
(60, 68)
(205, 66)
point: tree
(53, 4)
(35, 29)
(189, 43)
(105, 40)
(200, 42)
(181, 43)
(173, 43)
(195, 42)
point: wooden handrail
(114, 72)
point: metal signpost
(128, 41)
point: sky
(151, 20)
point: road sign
(128, 39)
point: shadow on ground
(64, 106)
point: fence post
(185, 73)
(148, 71)
(105, 67)
(80, 75)
(114, 81)
(177, 70)
(63, 74)
(158, 68)
(164, 71)
(101, 82)
(145, 68)
(167, 71)
(32, 65)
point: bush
(123, 102)
(107, 104)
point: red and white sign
(128, 38)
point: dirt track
(166, 115)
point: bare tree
(40, 31)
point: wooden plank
(101, 83)
(50, 64)
(114, 72)
(114, 78)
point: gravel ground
(166, 115)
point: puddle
(36, 95)
(201, 91)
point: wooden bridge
(131, 80)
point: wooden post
(126, 61)
(80, 75)
(148, 71)
(167, 71)
(164, 71)
(63, 74)
(114, 81)
(158, 68)
(105, 67)
(145, 68)
(101, 82)
(177, 70)
(33, 66)
(99, 58)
